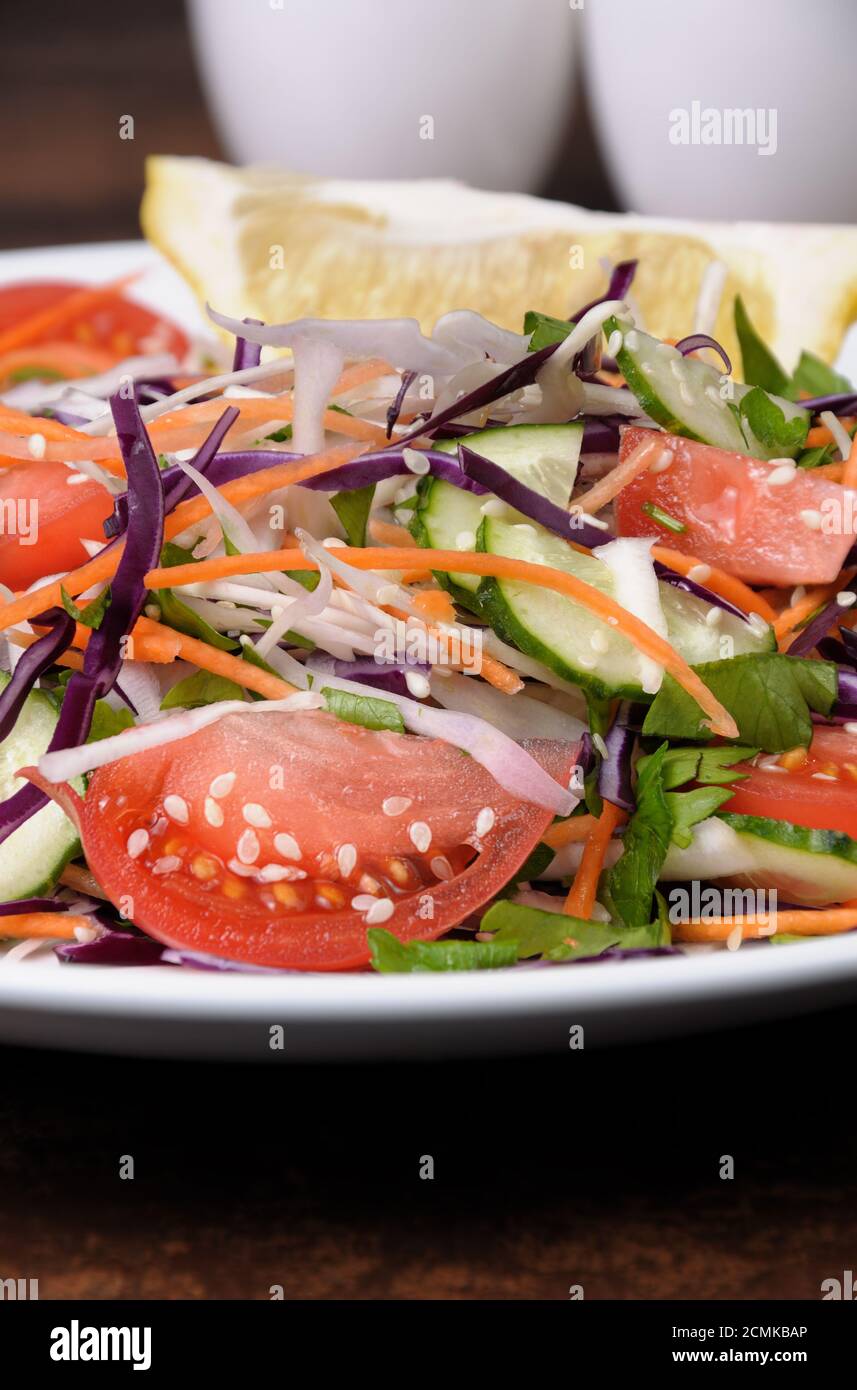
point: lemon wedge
(266, 244)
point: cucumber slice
(544, 457)
(573, 642)
(814, 867)
(683, 394)
(32, 859)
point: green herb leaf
(93, 614)
(532, 868)
(689, 808)
(768, 694)
(308, 578)
(177, 614)
(392, 956)
(768, 423)
(708, 765)
(761, 367)
(662, 518)
(107, 721)
(371, 713)
(557, 937)
(544, 329)
(33, 374)
(353, 510)
(202, 688)
(816, 378)
(631, 882)
(817, 457)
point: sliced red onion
(408, 378)
(694, 341)
(112, 948)
(570, 525)
(30, 666)
(614, 772)
(621, 279)
(247, 354)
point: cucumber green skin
(798, 837)
(640, 385)
(467, 598)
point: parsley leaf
(687, 809)
(631, 882)
(371, 713)
(557, 937)
(768, 694)
(769, 425)
(816, 378)
(177, 614)
(353, 508)
(93, 614)
(107, 721)
(392, 956)
(761, 367)
(817, 457)
(202, 688)
(544, 329)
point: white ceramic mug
(648, 61)
(472, 89)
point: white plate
(166, 1011)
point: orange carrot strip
(822, 435)
(619, 477)
(492, 670)
(435, 604)
(103, 566)
(361, 372)
(81, 880)
(789, 619)
(849, 466)
(47, 926)
(387, 534)
(65, 359)
(569, 832)
(803, 922)
(718, 581)
(500, 566)
(581, 897)
(221, 663)
(75, 305)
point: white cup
(793, 62)
(472, 89)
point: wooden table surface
(593, 1168)
(598, 1169)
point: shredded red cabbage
(694, 341)
(112, 948)
(389, 463)
(396, 408)
(841, 403)
(812, 634)
(386, 677)
(246, 354)
(569, 525)
(614, 772)
(34, 662)
(621, 279)
(31, 905)
(690, 586)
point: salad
(412, 652)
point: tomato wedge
(277, 839)
(121, 326)
(45, 510)
(816, 788)
(733, 517)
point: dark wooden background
(598, 1169)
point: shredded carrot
(820, 434)
(718, 581)
(569, 832)
(45, 926)
(791, 617)
(492, 670)
(581, 897)
(82, 880)
(76, 305)
(619, 477)
(435, 604)
(831, 471)
(499, 566)
(361, 372)
(219, 663)
(387, 534)
(66, 360)
(103, 566)
(800, 921)
(849, 467)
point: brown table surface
(594, 1168)
(598, 1169)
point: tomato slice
(278, 838)
(735, 519)
(45, 510)
(121, 326)
(817, 789)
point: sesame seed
(493, 507)
(614, 343)
(363, 902)
(485, 821)
(779, 476)
(86, 934)
(346, 859)
(76, 478)
(213, 813)
(662, 462)
(632, 341)
(823, 777)
(850, 728)
(700, 574)
(419, 835)
(811, 518)
(380, 911)
(798, 593)
(222, 784)
(388, 593)
(36, 446)
(441, 867)
(248, 847)
(396, 805)
(598, 641)
(276, 873)
(714, 617)
(167, 865)
(465, 540)
(415, 462)
(177, 809)
(286, 845)
(254, 814)
(152, 610)
(242, 870)
(137, 841)
(735, 937)
(845, 599)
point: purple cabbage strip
(247, 354)
(601, 434)
(389, 463)
(71, 730)
(200, 960)
(31, 905)
(568, 525)
(621, 279)
(176, 483)
(690, 586)
(614, 772)
(840, 402)
(614, 953)
(408, 378)
(812, 634)
(112, 948)
(34, 662)
(694, 341)
(385, 676)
